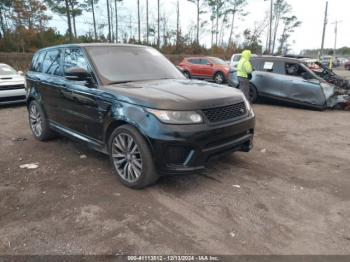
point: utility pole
(335, 36)
(112, 26)
(270, 33)
(130, 26)
(138, 22)
(116, 20)
(324, 29)
(147, 24)
(177, 25)
(109, 22)
(158, 21)
(270, 27)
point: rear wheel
(38, 122)
(131, 158)
(219, 78)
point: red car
(206, 67)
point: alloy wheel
(35, 120)
(219, 78)
(126, 157)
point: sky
(307, 36)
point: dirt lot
(290, 195)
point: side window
(51, 64)
(38, 61)
(276, 67)
(194, 61)
(279, 68)
(256, 65)
(204, 61)
(74, 57)
(294, 69)
(236, 58)
(197, 61)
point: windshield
(313, 76)
(217, 61)
(7, 70)
(116, 64)
(236, 58)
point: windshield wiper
(129, 81)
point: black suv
(131, 103)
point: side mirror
(20, 72)
(210, 64)
(77, 74)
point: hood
(11, 79)
(247, 54)
(175, 94)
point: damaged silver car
(327, 74)
(290, 80)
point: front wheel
(38, 122)
(219, 78)
(131, 158)
(187, 74)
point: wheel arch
(221, 72)
(187, 71)
(253, 85)
(115, 123)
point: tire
(187, 74)
(253, 94)
(38, 122)
(219, 78)
(131, 158)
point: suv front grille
(12, 87)
(224, 113)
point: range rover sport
(130, 102)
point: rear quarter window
(37, 61)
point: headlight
(177, 117)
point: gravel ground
(289, 195)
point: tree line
(24, 25)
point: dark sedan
(130, 102)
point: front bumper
(187, 149)
(12, 96)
